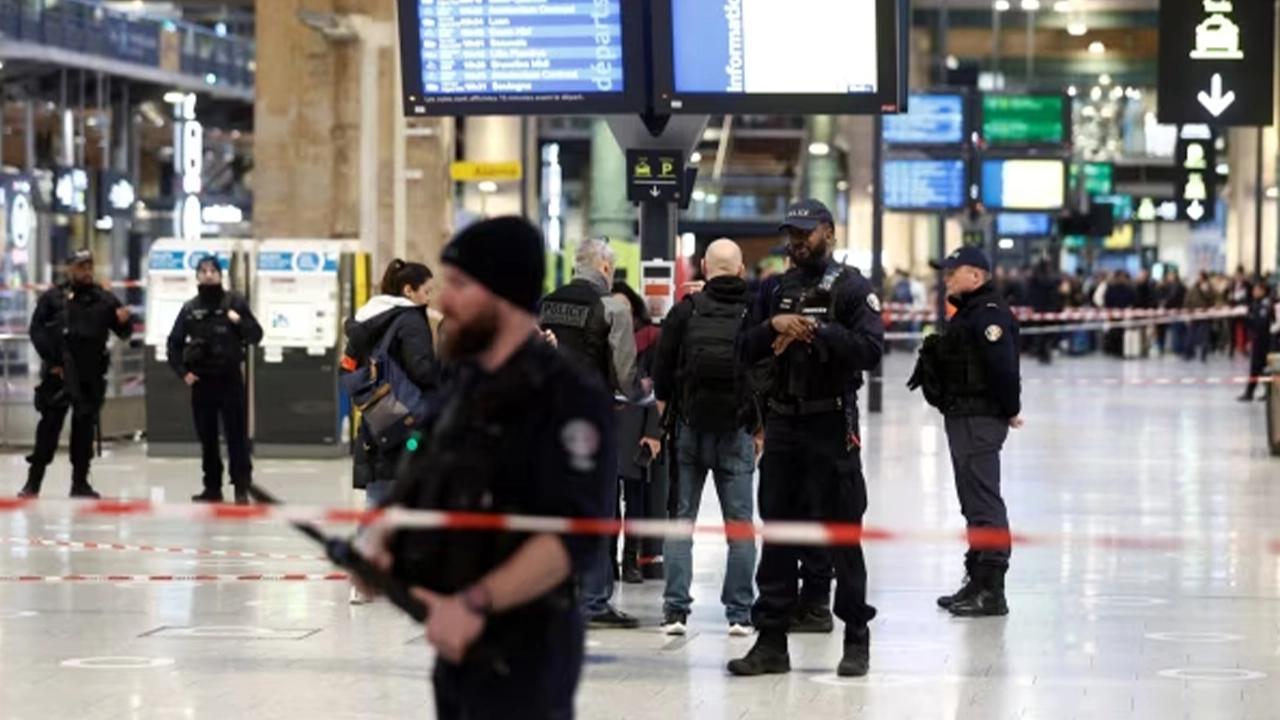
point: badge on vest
(994, 333)
(873, 302)
(581, 441)
(564, 314)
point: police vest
(963, 374)
(805, 372)
(212, 345)
(576, 314)
(88, 318)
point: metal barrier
(89, 27)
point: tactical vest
(212, 344)
(805, 372)
(963, 374)
(576, 314)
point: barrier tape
(1085, 314)
(1116, 382)
(278, 577)
(784, 533)
(1099, 325)
(110, 546)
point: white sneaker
(740, 630)
(358, 598)
(674, 624)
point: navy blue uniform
(1261, 317)
(983, 390)
(812, 466)
(536, 437)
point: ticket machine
(171, 282)
(301, 294)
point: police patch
(873, 302)
(581, 440)
(994, 333)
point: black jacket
(71, 325)
(666, 365)
(985, 321)
(246, 332)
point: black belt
(807, 407)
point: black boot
(812, 618)
(631, 562)
(767, 657)
(35, 477)
(652, 568)
(80, 487)
(967, 588)
(209, 495)
(989, 600)
(242, 492)
(857, 654)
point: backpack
(391, 405)
(711, 398)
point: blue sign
(167, 260)
(1024, 225)
(930, 120)
(1024, 184)
(924, 184)
(275, 260)
(309, 261)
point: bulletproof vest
(575, 313)
(88, 324)
(711, 397)
(212, 344)
(805, 371)
(962, 370)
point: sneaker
(675, 623)
(740, 630)
(358, 598)
(767, 657)
(612, 619)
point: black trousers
(810, 471)
(214, 397)
(54, 400)
(1257, 362)
(975, 456)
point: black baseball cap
(807, 215)
(79, 257)
(967, 256)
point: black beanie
(506, 255)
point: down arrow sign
(1215, 101)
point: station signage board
(655, 176)
(1217, 62)
(1197, 177)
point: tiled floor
(1191, 631)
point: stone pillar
(611, 214)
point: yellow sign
(643, 169)
(482, 171)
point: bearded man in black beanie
(516, 431)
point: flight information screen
(1024, 119)
(518, 56)
(1030, 184)
(929, 120)
(924, 184)
(1024, 225)
(721, 54)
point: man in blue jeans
(697, 375)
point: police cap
(967, 256)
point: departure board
(466, 57)
(929, 120)
(1025, 119)
(924, 185)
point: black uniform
(534, 438)
(70, 329)
(812, 468)
(576, 314)
(204, 341)
(1261, 317)
(971, 373)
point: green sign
(1098, 178)
(1024, 119)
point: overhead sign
(471, 57)
(924, 185)
(1025, 120)
(1024, 184)
(486, 171)
(655, 176)
(931, 119)
(1217, 62)
(1151, 209)
(1197, 184)
(738, 56)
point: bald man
(697, 377)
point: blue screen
(931, 120)
(1024, 225)
(924, 184)
(500, 47)
(1024, 184)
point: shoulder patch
(581, 440)
(873, 302)
(994, 333)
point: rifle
(342, 553)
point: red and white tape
(111, 546)
(202, 578)
(1086, 314)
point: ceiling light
(1072, 91)
(1104, 80)
(695, 158)
(1007, 243)
(1273, 192)
(819, 149)
(173, 97)
(1077, 28)
(1095, 94)
(1097, 48)
(1117, 93)
(953, 62)
(699, 195)
(1030, 5)
(1062, 6)
(843, 186)
(488, 187)
(1002, 6)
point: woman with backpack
(400, 309)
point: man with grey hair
(595, 329)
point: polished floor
(1102, 626)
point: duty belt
(807, 407)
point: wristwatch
(478, 600)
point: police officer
(971, 373)
(1259, 322)
(596, 330)
(518, 430)
(70, 329)
(206, 350)
(822, 328)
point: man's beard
(806, 257)
(464, 341)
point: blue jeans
(731, 459)
(596, 581)
(377, 492)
